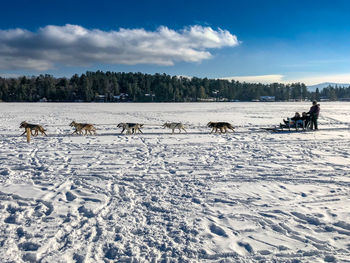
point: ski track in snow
(249, 196)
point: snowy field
(248, 196)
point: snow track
(249, 196)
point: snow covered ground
(248, 196)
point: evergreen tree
(317, 94)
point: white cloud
(307, 80)
(9, 75)
(74, 45)
(264, 79)
(333, 78)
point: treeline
(139, 87)
(333, 93)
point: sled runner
(299, 124)
(274, 129)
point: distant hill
(323, 85)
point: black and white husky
(130, 127)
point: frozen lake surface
(248, 196)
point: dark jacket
(305, 118)
(296, 118)
(314, 110)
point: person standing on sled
(314, 112)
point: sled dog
(174, 125)
(79, 127)
(222, 126)
(33, 127)
(130, 128)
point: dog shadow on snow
(58, 135)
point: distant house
(267, 98)
(122, 97)
(151, 95)
(207, 99)
(147, 97)
(100, 98)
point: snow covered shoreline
(239, 197)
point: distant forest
(139, 87)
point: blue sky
(263, 41)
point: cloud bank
(333, 78)
(264, 79)
(73, 45)
(307, 80)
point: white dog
(174, 125)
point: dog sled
(291, 126)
